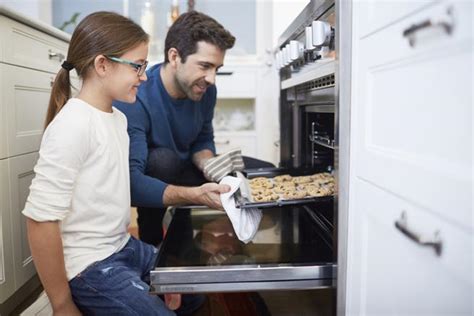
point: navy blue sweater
(157, 120)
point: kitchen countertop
(37, 24)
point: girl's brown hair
(100, 33)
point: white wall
(36, 9)
(284, 12)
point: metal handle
(53, 55)
(446, 23)
(313, 129)
(222, 142)
(225, 73)
(435, 242)
(276, 143)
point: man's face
(199, 71)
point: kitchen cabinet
(16, 176)
(7, 282)
(411, 160)
(31, 54)
(234, 114)
(21, 175)
(25, 98)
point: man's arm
(147, 191)
(47, 251)
(201, 157)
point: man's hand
(209, 194)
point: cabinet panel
(413, 114)
(7, 282)
(397, 275)
(21, 175)
(25, 100)
(236, 82)
(227, 141)
(24, 46)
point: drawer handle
(435, 242)
(222, 142)
(446, 23)
(53, 55)
(225, 73)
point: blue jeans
(118, 285)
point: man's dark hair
(193, 27)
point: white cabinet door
(229, 140)
(411, 153)
(233, 82)
(413, 110)
(21, 175)
(24, 101)
(390, 274)
(7, 282)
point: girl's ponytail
(60, 93)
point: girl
(79, 203)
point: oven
(296, 244)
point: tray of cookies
(270, 190)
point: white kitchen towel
(245, 221)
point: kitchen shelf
(322, 141)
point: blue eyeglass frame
(140, 68)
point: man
(170, 126)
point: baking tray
(242, 195)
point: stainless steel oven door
(201, 253)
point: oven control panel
(309, 42)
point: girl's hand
(67, 309)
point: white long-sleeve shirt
(82, 180)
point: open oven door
(293, 249)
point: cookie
(284, 187)
(292, 195)
(302, 179)
(282, 178)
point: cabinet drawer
(375, 15)
(24, 102)
(236, 83)
(393, 268)
(415, 113)
(392, 45)
(24, 46)
(226, 142)
(7, 281)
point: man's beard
(187, 89)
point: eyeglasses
(140, 68)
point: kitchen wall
(284, 12)
(36, 9)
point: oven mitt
(216, 168)
(244, 221)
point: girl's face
(123, 81)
